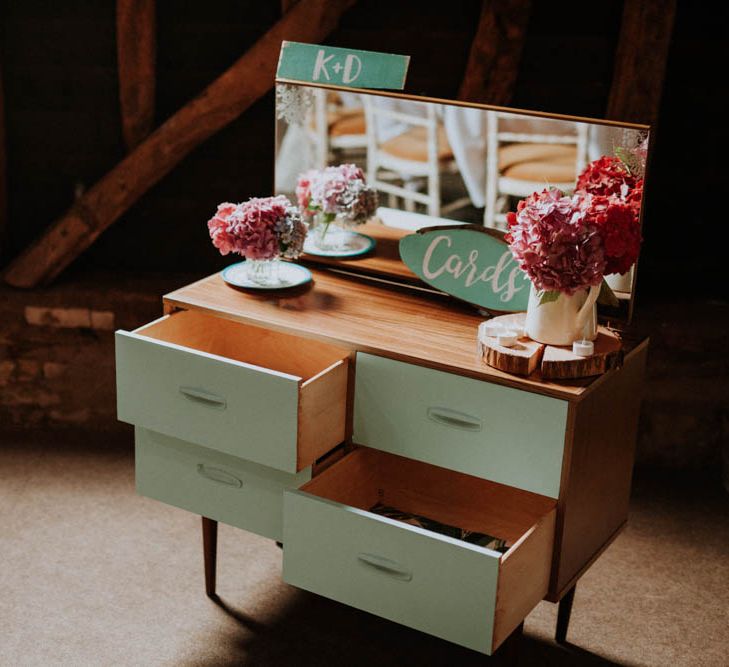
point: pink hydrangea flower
(260, 228)
(220, 227)
(339, 191)
(351, 172)
(554, 244)
(327, 190)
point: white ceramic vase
(564, 320)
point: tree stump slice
(559, 363)
(552, 362)
(521, 359)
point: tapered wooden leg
(210, 553)
(564, 612)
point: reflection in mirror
(435, 163)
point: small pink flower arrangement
(336, 193)
(259, 229)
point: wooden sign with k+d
(352, 68)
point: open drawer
(272, 398)
(445, 586)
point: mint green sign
(341, 67)
(470, 262)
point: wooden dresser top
(363, 315)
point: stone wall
(57, 351)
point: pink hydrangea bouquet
(566, 244)
(261, 228)
(336, 194)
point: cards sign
(471, 263)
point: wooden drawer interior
(368, 476)
(249, 344)
(524, 519)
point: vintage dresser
(291, 414)
(294, 413)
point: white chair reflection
(528, 156)
(336, 130)
(416, 156)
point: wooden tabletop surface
(359, 314)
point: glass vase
(264, 272)
(328, 235)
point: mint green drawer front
(508, 436)
(212, 484)
(429, 582)
(236, 408)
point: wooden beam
(136, 53)
(640, 60)
(493, 62)
(247, 80)
(286, 5)
(3, 168)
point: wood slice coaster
(554, 363)
(521, 359)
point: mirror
(434, 163)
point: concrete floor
(94, 575)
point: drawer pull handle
(454, 419)
(218, 475)
(204, 397)
(386, 566)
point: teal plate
(289, 275)
(356, 244)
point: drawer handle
(218, 475)
(386, 566)
(204, 397)
(454, 419)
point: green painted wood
(498, 433)
(353, 68)
(429, 582)
(470, 263)
(227, 405)
(212, 484)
